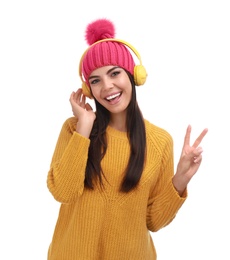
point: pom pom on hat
(104, 53)
(98, 30)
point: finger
(187, 135)
(79, 91)
(71, 98)
(200, 137)
(197, 159)
(79, 98)
(197, 151)
(83, 99)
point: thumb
(88, 107)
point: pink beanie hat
(104, 53)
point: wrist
(84, 129)
(179, 183)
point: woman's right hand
(83, 112)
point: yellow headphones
(140, 73)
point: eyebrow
(110, 70)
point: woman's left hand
(190, 160)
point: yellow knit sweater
(105, 224)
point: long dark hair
(98, 144)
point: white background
(184, 46)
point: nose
(107, 84)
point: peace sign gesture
(190, 160)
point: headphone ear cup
(140, 75)
(86, 90)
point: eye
(115, 73)
(94, 81)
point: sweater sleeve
(164, 201)
(66, 175)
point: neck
(118, 122)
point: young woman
(112, 170)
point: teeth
(113, 96)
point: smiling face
(111, 87)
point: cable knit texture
(105, 224)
